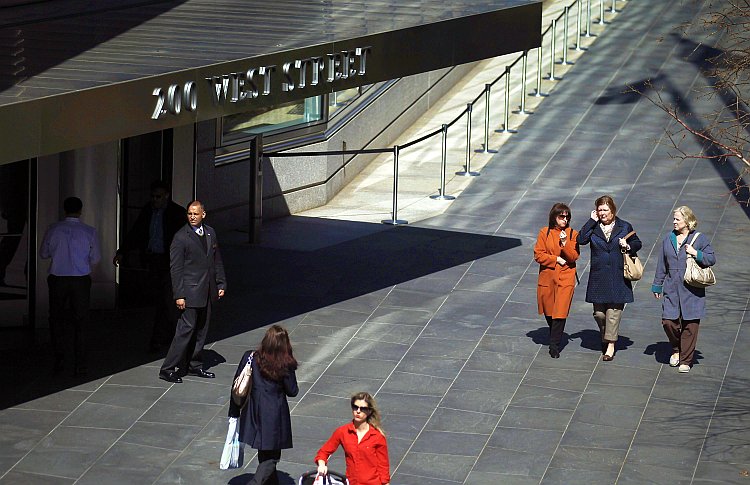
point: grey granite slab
(435, 466)
(21, 478)
(583, 434)
(68, 452)
(116, 468)
(430, 366)
(407, 404)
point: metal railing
(486, 94)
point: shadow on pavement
(302, 265)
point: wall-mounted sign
(244, 86)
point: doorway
(17, 238)
(145, 158)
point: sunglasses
(563, 216)
(361, 409)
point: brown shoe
(607, 358)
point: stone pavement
(438, 319)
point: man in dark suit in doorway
(197, 280)
(151, 235)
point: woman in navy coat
(683, 305)
(265, 423)
(607, 288)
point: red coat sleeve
(383, 464)
(329, 447)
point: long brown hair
(373, 417)
(274, 356)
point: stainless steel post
(588, 19)
(539, 61)
(579, 18)
(443, 164)
(552, 59)
(566, 15)
(614, 7)
(394, 220)
(506, 124)
(524, 67)
(601, 13)
(486, 147)
(467, 172)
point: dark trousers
(556, 329)
(188, 341)
(165, 310)
(682, 335)
(72, 292)
(266, 471)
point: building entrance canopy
(75, 73)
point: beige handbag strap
(629, 234)
(695, 236)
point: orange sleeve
(571, 252)
(541, 255)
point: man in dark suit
(151, 235)
(197, 280)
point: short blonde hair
(688, 216)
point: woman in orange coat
(556, 251)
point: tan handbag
(632, 266)
(243, 383)
(695, 275)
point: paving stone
(68, 452)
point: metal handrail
(468, 109)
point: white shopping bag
(230, 455)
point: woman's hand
(657, 295)
(563, 238)
(594, 215)
(322, 468)
(691, 250)
(624, 244)
(561, 261)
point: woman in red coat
(364, 444)
(556, 251)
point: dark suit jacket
(264, 422)
(138, 236)
(197, 275)
(606, 281)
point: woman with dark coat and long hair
(265, 424)
(556, 251)
(607, 288)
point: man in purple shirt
(74, 249)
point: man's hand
(180, 303)
(221, 293)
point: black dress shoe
(201, 373)
(170, 376)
